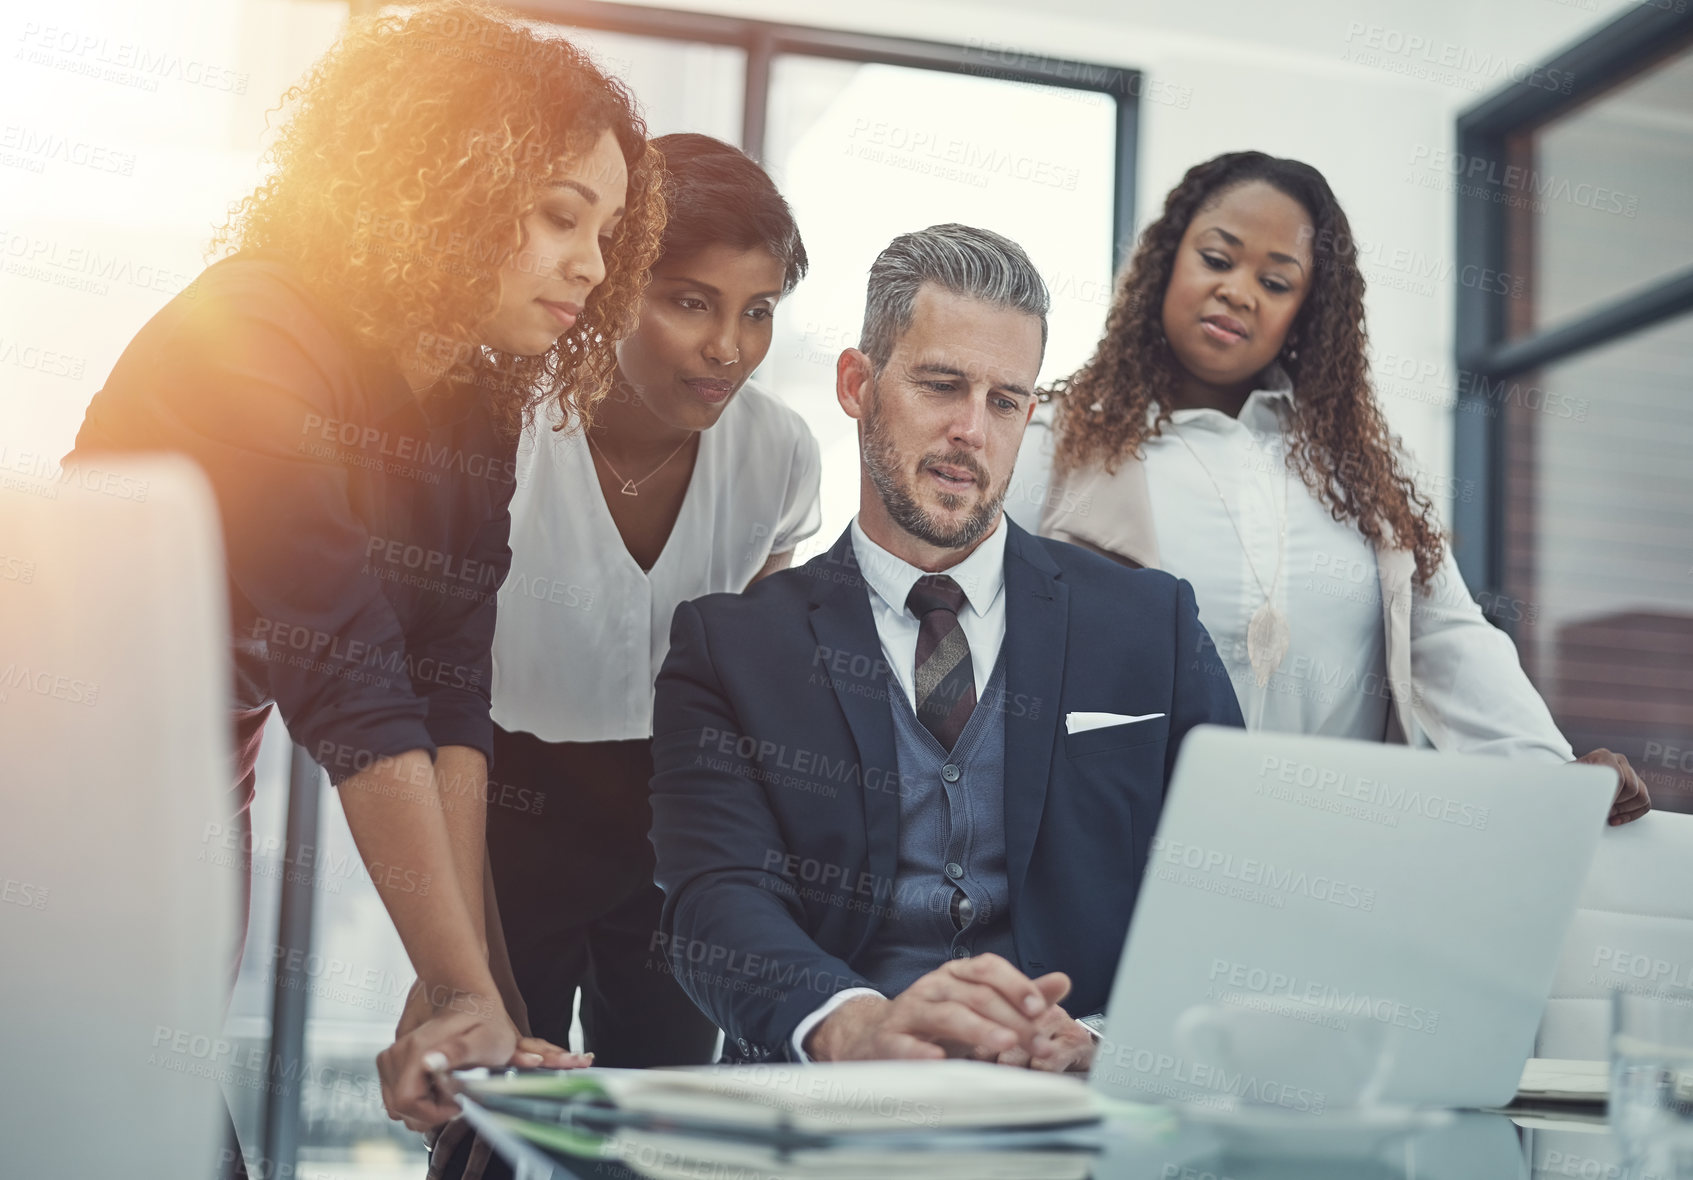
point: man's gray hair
(975, 263)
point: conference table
(1143, 1144)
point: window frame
(764, 41)
(1625, 48)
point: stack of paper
(1555, 1079)
(677, 1157)
(890, 1110)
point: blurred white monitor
(117, 925)
(1326, 924)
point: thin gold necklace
(630, 487)
(1267, 633)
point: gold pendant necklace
(1267, 633)
(631, 487)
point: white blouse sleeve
(802, 513)
(1471, 694)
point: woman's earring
(1289, 352)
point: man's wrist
(823, 1042)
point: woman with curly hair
(1225, 429)
(692, 480)
(457, 226)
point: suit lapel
(849, 654)
(1037, 621)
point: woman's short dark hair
(718, 195)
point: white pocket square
(1082, 722)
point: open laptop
(1325, 923)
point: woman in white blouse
(689, 481)
(1225, 429)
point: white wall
(125, 132)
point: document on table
(827, 1099)
(1557, 1079)
(675, 1157)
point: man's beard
(900, 499)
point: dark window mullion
(1663, 300)
(1477, 437)
(755, 104)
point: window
(681, 86)
(1609, 187)
(872, 136)
(866, 152)
(1573, 404)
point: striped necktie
(946, 682)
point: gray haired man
(874, 837)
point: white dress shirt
(582, 629)
(982, 578)
(1470, 693)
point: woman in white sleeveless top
(1225, 430)
(689, 481)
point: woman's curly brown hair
(1339, 443)
(406, 162)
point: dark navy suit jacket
(776, 786)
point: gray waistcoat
(951, 840)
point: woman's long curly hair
(400, 176)
(1339, 442)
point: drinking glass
(1651, 1107)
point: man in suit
(904, 794)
